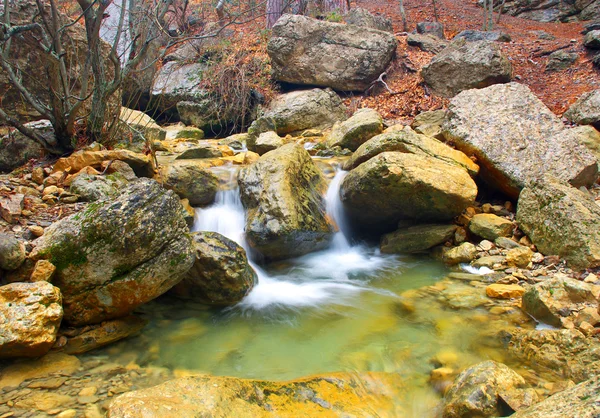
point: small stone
(36, 230)
(43, 271)
(88, 391)
(50, 190)
(69, 413)
(11, 207)
(93, 411)
(537, 258)
(84, 400)
(464, 253)
(591, 278)
(504, 291)
(37, 175)
(51, 383)
(486, 245)
(460, 236)
(586, 328)
(519, 257)
(490, 226)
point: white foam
(475, 270)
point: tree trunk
(274, 11)
(435, 11)
(339, 6)
(403, 14)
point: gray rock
(427, 43)
(362, 17)
(300, 110)
(221, 274)
(482, 389)
(586, 110)
(362, 126)
(118, 254)
(560, 60)
(590, 137)
(478, 35)
(200, 151)
(431, 28)
(16, 149)
(283, 196)
(137, 130)
(416, 238)
(266, 141)
(192, 181)
(91, 187)
(592, 39)
(12, 252)
(548, 11)
(463, 253)
(561, 220)
(467, 65)
(307, 51)
(516, 138)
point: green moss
(66, 254)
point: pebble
(88, 391)
(36, 230)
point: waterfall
(311, 280)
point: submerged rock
(393, 186)
(331, 395)
(467, 65)
(299, 110)
(362, 126)
(105, 333)
(317, 53)
(283, 196)
(409, 142)
(118, 254)
(516, 138)
(221, 274)
(581, 401)
(487, 389)
(30, 314)
(416, 238)
(191, 181)
(561, 220)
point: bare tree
(403, 14)
(275, 8)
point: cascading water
(314, 279)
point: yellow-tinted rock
(43, 401)
(106, 333)
(43, 271)
(141, 164)
(504, 291)
(519, 257)
(15, 374)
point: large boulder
(30, 314)
(137, 131)
(427, 43)
(592, 39)
(486, 390)
(478, 35)
(581, 401)
(31, 63)
(416, 238)
(90, 187)
(312, 52)
(588, 136)
(409, 142)
(586, 110)
(561, 220)
(299, 110)
(221, 274)
(16, 149)
(393, 186)
(118, 254)
(516, 138)
(12, 252)
(333, 395)
(554, 301)
(550, 11)
(283, 196)
(362, 17)
(467, 65)
(141, 164)
(191, 181)
(362, 126)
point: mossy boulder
(362, 126)
(191, 181)
(561, 220)
(283, 196)
(221, 274)
(91, 187)
(118, 254)
(408, 141)
(394, 186)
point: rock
(191, 181)
(175, 83)
(138, 129)
(478, 35)
(43, 401)
(358, 16)
(104, 334)
(484, 390)
(12, 252)
(416, 238)
(560, 60)
(561, 220)
(563, 353)
(205, 151)
(489, 261)
(581, 401)
(519, 257)
(266, 141)
(467, 65)
(120, 168)
(188, 132)
(16, 149)
(30, 314)
(409, 142)
(29, 58)
(431, 28)
(506, 243)
(429, 123)
(362, 126)
(311, 52)
(118, 254)
(543, 35)
(589, 137)
(299, 110)
(393, 186)
(592, 39)
(553, 301)
(516, 138)
(317, 396)
(427, 43)
(221, 274)
(140, 163)
(464, 253)
(11, 207)
(52, 363)
(91, 187)
(36, 230)
(586, 110)
(489, 226)
(504, 291)
(283, 196)
(590, 27)
(43, 271)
